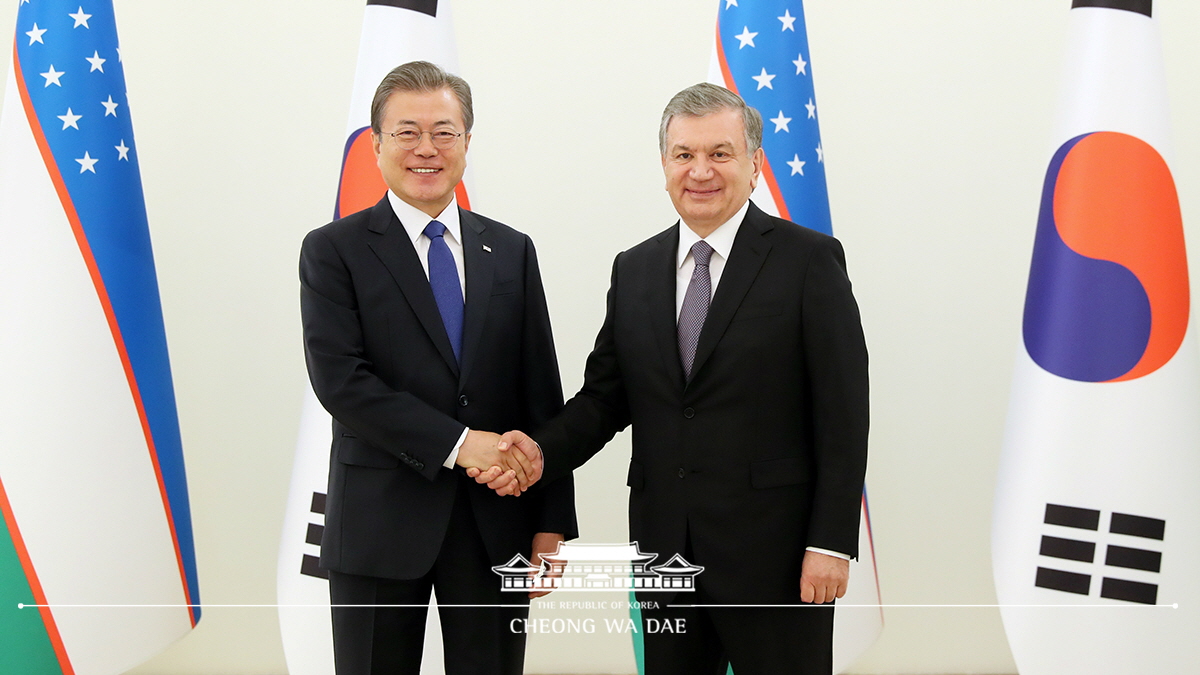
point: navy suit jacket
(764, 452)
(381, 363)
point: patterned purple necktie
(695, 306)
(447, 292)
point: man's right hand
(518, 449)
(512, 471)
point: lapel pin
(487, 248)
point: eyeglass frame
(421, 134)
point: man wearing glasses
(425, 330)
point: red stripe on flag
(874, 563)
(98, 281)
(769, 176)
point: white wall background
(935, 117)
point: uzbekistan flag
(761, 52)
(394, 32)
(93, 495)
(1096, 528)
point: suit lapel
(746, 258)
(660, 301)
(480, 270)
(397, 254)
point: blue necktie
(447, 292)
(695, 306)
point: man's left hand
(823, 577)
(544, 543)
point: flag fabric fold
(761, 53)
(1096, 511)
(93, 491)
(394, 32)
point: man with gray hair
(426, 331)
(732, 344)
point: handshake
(508, 464)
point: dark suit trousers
(754, 640)
(378, 640)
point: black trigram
(311, 564)
(1115, 557)
(429, 7)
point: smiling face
(424, 176)
(710, 174)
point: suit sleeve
(835, 355)
(544, 397)
(341, 371)
(601, 408)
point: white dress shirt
(415, 221)
(721, 241)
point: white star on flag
(801, 64)
(812, 109)
(781, 123)
(746, 38)
(110, 106)
(87, 163)
(70, 119)
(797, 165)
(52, 76)
(81, 19)
(763, 79)
(35, 35)
(122, 151)
(820, 154)
(787, 20)
(730, 3)
(96, 61)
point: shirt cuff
(449, 463)
(826, 551)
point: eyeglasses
(407, 139)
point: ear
(467, 141)
(758, 158)
(376, 144)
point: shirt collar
(720, 239)
(415, 220)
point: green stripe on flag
(639, 648)
(26, 646)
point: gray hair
(420, 76)
(703, 99)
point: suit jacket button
(462, 400)
(681, 473)
(688, 413)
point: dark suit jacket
(381, 363)
(763, 453)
